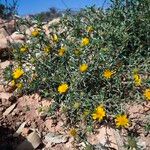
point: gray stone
(8, 110)
(55, 138)
(20, 129)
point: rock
(36, 97)
(18, 123)
(49, 123)
(43, 109)
(4, 95)
(1, 109)
(25, 131)
(17, 36)
(6, 29)
(1, 21)
(8, 110)
(4, 64)
(5, 99)
(43, 116)
(22, 113)
(43, 133)
(6, 103)
(29, 30)
(55, 138)
(46, 103)
(34, 125)
(2, 88)
(100, 147)
(32, 142)
(3, 44)
(13, 113)
(23, 28)
(68, 145)
(1, 113)
(8, 25)
(29, 105)
(119, 139)
(20, 129)
(54, 21)
(82, 145)
(104, 139)
(3, 33)
(141, 144)
(46, 29)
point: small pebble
(18, 123)
(13, 113)
(1, 109)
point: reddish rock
(25, 131)
(3, 44)
(28, 31)
(4, 64)
(9, 110)
(3, 33)
(54, 21)
(105, 137)
(46, 103)
(6, 29)
(29, 105)
(54, 128)
(2, 88)
(5, 96)
(9, 25)
(17, 36)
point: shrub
(90, 59)
(51, 14)
(8, 10)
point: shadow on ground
(9, 142)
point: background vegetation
(7, 10)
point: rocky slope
(9, 34)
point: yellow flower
(63, 88)
(35, 33)
(122, 121)
(47, 49)
(18, 72)
(83, 68)
(73, 132)
(19, 85)
(90, 29)
(108, 73)
(147, 94)
(55, 38)
(62, 51)
(24, 49)
(99, 113)
(85, 41)
(137, 79)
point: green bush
(8, 10)
(112, 44)
(51, 14)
